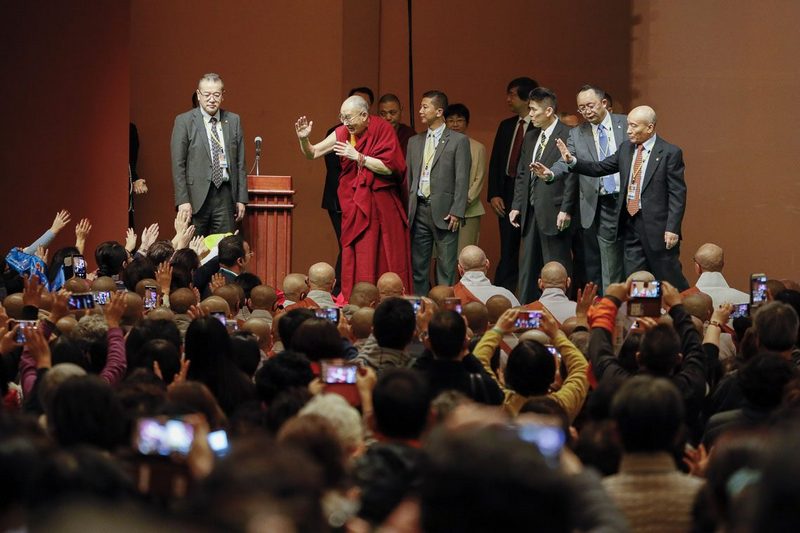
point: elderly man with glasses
(372, 193)
(208, 169)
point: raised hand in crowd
(619, 291)
(114, 310)
(60, 307)
(82, 230)
(548, 324)
(585, 298)
(181, 222)
(199, 246)
(149, 236)
(197, 311)
(41, 253)
(130, 240)
(424, 315)
(565, 153)
(217, 281)
(506, 322)
(670, 296)
(8, 338)
(32, 292)
(164, 277)
(183, 239)
(60, 221)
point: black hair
(600, 93)
(147, 330)
(531, 368)
(318, 339)
(523, 85)
(627, 352)
(446, 333)
(247, 280)
(649, 413)
(658, 350)
(363, 90)
(401, 401)
(185, 258)
(246, 353)
(160, 251)
(57, 261)
(231, 249)
(763, 379)
(282, 372)
(289, 322)
(544, 96)
(457, 109)
(137, 270)
(394, 323)
(776, 325)
(163, 352)
(110, 257)
(438, 98)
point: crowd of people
(166, 387)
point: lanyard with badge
(633, 184)
(223, 160)
(425, 178)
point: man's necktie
(636, 183)
(516, 149)
(216, 150)
(609, 183)
(427, 159)
(540, 149)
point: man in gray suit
(208, 169)
(543, 208)
(594, 140)
(438, 163)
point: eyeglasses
(348, 120)
(208, 95)
(456, 120)
(587, 107)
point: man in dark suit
(542, 208)
(438, 164)
(208, 170)
(651, 172)
(594, 140)
(503, 162)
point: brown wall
(65, 114)
(723, 79)
(713, 73)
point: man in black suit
(330, 196)
(651, 173)
(542, 208)
(506, 150)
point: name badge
(632, 191)
(223, 161)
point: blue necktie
(609, 183)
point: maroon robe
(375, 235)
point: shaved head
(134, 308)
(554, 275)
(321, 277)
(230, 294)
(439, 293)
(364, 294)
(261, 329)
(161, 313)
(104, 283)
(496, 306)
(181, 300)
(699, 305)
(641, 275)
(13, 305)
(390, 286)
(535, 335)
(263, 297)
(710, 258)
(477, 316)
(644, 113)
(216, 304)
(473, 258)
(361, 323)
(294, 285)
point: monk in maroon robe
(373, 194)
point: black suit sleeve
(497, 162)
(609, 165)
(676, 189)
(570, 198)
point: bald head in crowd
(263, 297)
(134, 309)
(640, 275)
(364, 294)
(294, 287)
(321, 277)
(13, 305)
(554, 276)
(261, 329)
(709, 258)
(439, 293)
(361, 323)
(699, 305)
(472, 258)
(230, 294)
(477, 316)
(104, 283)
(390, 286)
(181, 300)
(216, 304)
(76, 285)
(496, 306)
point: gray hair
(357, 102)
(90, 328)
(341, 415)
(212, 77)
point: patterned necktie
(636, 181)
(516, 149)
(609, 183)
(540, 149)
(216, 150)
(427, 159)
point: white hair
(357, 103)
(341, 415)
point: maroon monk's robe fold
(375, 235)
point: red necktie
(516, 149)
(636, 182)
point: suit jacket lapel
(440, 146)
(200, 126)
(588, 138)
(653, 161)
(620, 125)
(551, 147)
(226, 133)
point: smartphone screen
(548, 439)
(218, 442)
(528, 320)
(452, 304)
(338, 373)
(102, 297)
(758, 289)
(644, 298)
(81, 300)
(740, 311)
(23, 326)
(79, 266)
(150, 297)
(219, 315)
(156, 436)
(645, 289)
(416, 303)
(328, 313)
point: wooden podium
(268, 227)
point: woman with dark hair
(208, 349)
(57, 261)
(138, 269)
(110, 257)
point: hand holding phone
(528, 320)
(328, 313)
(758, 290)
(338, 372)
(452, 304)
(644, 298)
(81, 300)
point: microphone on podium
(258, 141)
